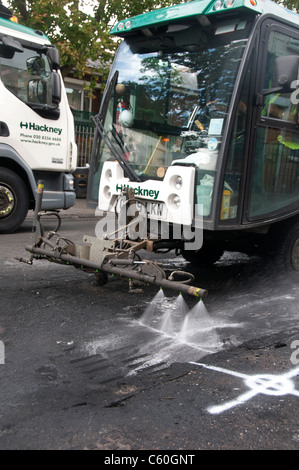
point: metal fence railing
(84, 141)
(84, 133)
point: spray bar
(107, 264)
(124, 272)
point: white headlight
(176, 201)
(107, 192)
(179, 182)
(108, 174)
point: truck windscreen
(172, 94)
(27, 74)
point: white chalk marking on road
(267, 384)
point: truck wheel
(290, 248)
(14, 201)
(101, 278)
(206, 256)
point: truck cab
(37, 139)
(200, 121)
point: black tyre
(101, 278)
(14, 201)
(289, 251)
(206, 256)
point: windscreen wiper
(118, 156)
(118, 139)
(192, 117)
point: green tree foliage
(80, 29)
(77, 35)
(290, 4)
(121, 9)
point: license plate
(157, 210)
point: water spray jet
(191, 327)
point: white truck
(37, 140)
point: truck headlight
(179, 182)
(174, 200)
(108, 174)
(107, 192)
(68, 183)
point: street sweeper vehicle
(196, 145)
(37, 138)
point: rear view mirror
(285, 72)
(54, 56)
(37, 91)
(56, 88)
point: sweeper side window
(275, 182)
(230, 203)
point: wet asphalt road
(82, 369)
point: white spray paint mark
(267, 384)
